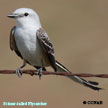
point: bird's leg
(19, 70)
(40, 70)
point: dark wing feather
(47, 46)
(13, 43)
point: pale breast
(30, 48)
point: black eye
(26, 14)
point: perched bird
(31, 43)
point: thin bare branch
(33, 72)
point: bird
(31, 43)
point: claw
(19, 72)
(40, 72)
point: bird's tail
(90, 84)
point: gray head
(25, 16)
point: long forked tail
(90, 84)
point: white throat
(27, 23)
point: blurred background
(79, 32)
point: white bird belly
(30, 48)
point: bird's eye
(26, 14)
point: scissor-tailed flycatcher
(31, 43)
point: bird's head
(25, 17)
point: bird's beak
(12, 15)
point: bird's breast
(29, 47)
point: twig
(33, 72)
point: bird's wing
(47, 46)
(13, 45)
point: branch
(34, 72)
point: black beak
(12, 15)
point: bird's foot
(40, 72)
(19, 72)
